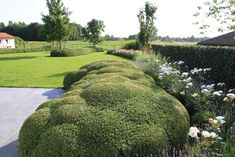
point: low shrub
(72, 52)
(112, 109)
(220, 59)
(134, 45)
(25, 50)
(129, 54)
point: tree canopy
(56, 22)
(221, 11)
(146, 17)
(92, 32)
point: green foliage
(19, 42)
(129, 54)
(72, 77)
(73, 52)
(25, 50)
(219, 59)
(214, 10)
(57, 24)
(113, 109)
(132, 45)
(147, 29)
(92, 32)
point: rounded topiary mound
(72, 52)
(111, 109)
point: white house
(7, 40)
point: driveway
(16, 104)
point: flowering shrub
(129, 54)
(203, 101)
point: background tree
(75, 32)
(57, 22)
(92, 32)
(147, 19)
(219, 12)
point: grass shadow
(16, 58)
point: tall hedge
(112, 109)
(220, 59)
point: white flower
(213, 135)
(206, 134)
(187, 80)
(210, 86)
(160, 77)
(218, 93)
(206, 69)
(220, 84)
(231, 96)
(182, 93)
(213, 121)
(193, 132)
(203, 86)
(220, 119)
(190, 84)
(195, 95)
(226, 99)
(231, 90)
(195, 71)
(180, 62)
(205, 91)
(166, 69)
(184, 74)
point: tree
(57, 22)
(92, 32)
(147, 19)
(221, 11)
(75, 32)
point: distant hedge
(25, 50)
(74, 52)
(220, 59)
(112, 109)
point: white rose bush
(210, 105)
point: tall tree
(146, 17)
(56, 22)
(221, 12)
(92, 32)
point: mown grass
(40, 70)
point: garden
(124, 98)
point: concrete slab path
(16, 104)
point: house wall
(7, 43)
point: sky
(174, 17)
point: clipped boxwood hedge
(112, 109)
(74, 52)
(220, 59)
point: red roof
(5, 35)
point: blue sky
(174, 17)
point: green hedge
(220, 59)
(112, 109)
(25, 50)
(73, 52)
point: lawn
(40, 70)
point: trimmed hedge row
(112, 109)
(25, 50)
(74, 52)
(221, 60)
(129, 54)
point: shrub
(220, 59)
(129, 54)
(73, 52)
(108, 111)
(134, 45)
(25, 50)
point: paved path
(16, 104)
